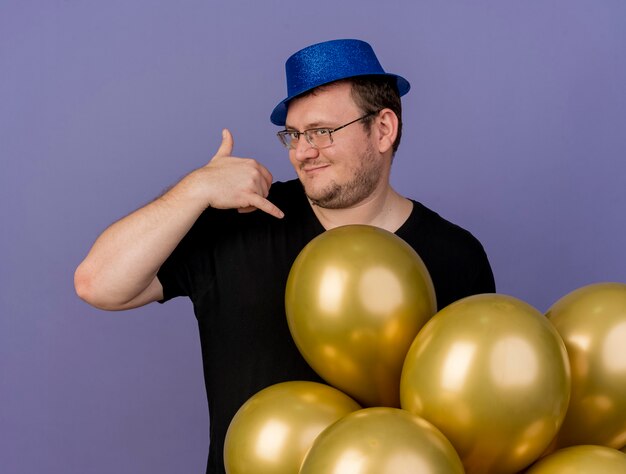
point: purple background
(515, 129)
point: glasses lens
(285, 138)
(319, 137)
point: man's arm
(120, 270)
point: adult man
(343, 125)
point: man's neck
(387, 210)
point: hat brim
(279, 114)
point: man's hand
(235, 183)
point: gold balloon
(492, 374)
(356, 297)
(582, 460)
(275, 428)
(381, 441)
(592, 323)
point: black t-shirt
(234, 267)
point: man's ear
(386, 123)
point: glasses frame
(290, 145)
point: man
(342, 119)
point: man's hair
(374, 93)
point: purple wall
(515, 128)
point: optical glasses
(316, 137)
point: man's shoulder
(429, 223)
(428, 216)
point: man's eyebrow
(318, 124)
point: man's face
(351, 169)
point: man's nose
(303, 150)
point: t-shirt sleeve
(170, 281)
(178, 273)
(173, 274)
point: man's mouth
(312, 167)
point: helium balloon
(381, 441)
(356, 297)
(592, 323)
(586, 459)
(275, 428)
(492, 374)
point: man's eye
(293, 135)
(322, 132)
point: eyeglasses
(316, 137)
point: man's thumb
(226, 148)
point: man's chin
(334, 196)
(321, 197)
(324, 201)
(328, 201)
